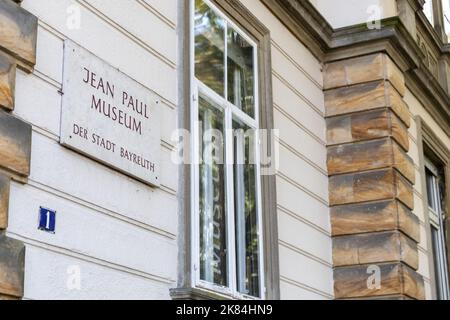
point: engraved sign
(110, 117)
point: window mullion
(229, 151)
(257, 159)
(242, 116)
(195, 183)
(435, 195)
(257, 149)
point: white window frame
(436, 216)
(230, 112)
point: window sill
(197, 294)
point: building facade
(224, 149)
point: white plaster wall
(302, 182)
(119, 233)
(342, 13)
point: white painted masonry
(120, 233)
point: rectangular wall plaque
(110, 117)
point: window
(438, 13)
(435, 195)
(227, 231)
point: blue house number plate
(47, 220)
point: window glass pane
(240, 72)
(436, 255)
(441, 193)
(430, 189)
(245, 202)
(209, 48)
(439, 263)
(213, 239)
(428, 10)
(446, 8)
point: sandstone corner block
(374, 248)
(374, 217)
(7, 81)
(12, 255)
(363, 69)
(364, 97)
(397, 279)
(368, 125)
(369, 155)
(4, 201)
(18, 33)
(15, 144)
(378, 185)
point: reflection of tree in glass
(247, 241)
(213, 249)
(240, 72)
(209, 47)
